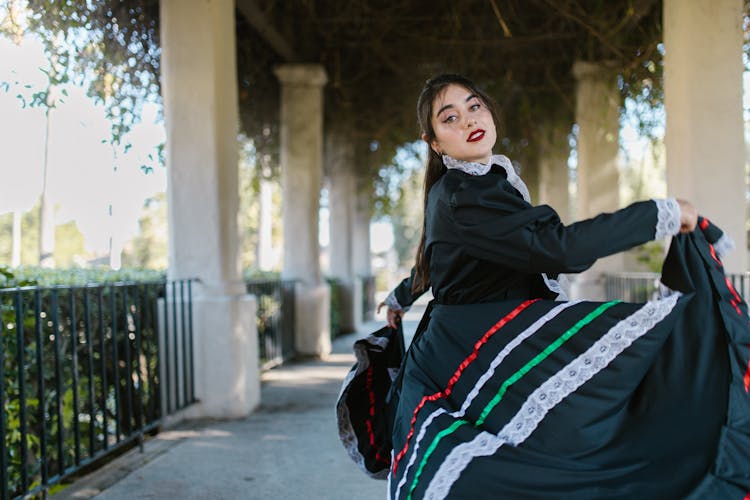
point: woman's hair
(433, 88)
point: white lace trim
(555, 286)
(550, 393)
(664, 291)
(667, 218)
(517, 340)
(392, 302)
(346, 431)
(724, 245)
(477, 168)
(469, 167)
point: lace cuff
(724, 245)
(668, 218)
(392, 303)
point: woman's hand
(688, 216)
(393, 316)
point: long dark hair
(435, 168)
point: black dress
(507, 393)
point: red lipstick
(475, 136)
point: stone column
(200, 110)
(362, 256)
(553, 170)
(703, 102)
(598, 118)
(301, 178)
(342, 196)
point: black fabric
(364, 424)
(485, 243)
(667, 417)
(403, 292)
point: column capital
(308, 75)
(583, 70)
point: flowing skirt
(580, 399)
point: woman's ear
(433, 145)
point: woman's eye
(475, 106)
(450, 119)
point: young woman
(482, 240)
(506, 392)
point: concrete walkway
(288, 449)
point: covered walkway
(288, 448)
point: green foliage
(69, 368)
(108, 45)
(650, 255)
(257, 275)
(148, 249)
(6, 235)
(26, 275)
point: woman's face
(464, 128)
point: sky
(85, 176)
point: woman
(482, 240)
(508, 393)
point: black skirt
(586, 400)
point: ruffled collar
(478, 168)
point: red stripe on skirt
(386, 460)
(461, 367)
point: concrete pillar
(342, 195)
(553, 169)
(703, 102)
(301, 178)
(362, 257)
(200, 111)
(598, 118)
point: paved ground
(288, 449)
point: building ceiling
(378, 54)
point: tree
(148, 250)
(107, 46)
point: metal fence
(87, 371)
(275, 320)
(81, 374)
(640, 287)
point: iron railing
(275, 319)
(82, 375)
(640, 287)
(631, 287)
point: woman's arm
(495, 225)
(400, 300)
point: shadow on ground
(288, 449)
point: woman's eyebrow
(448, 106)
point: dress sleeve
(401, 298)
(497, 226)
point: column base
(312, 332)
(225, 347)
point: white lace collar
(478, 168)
